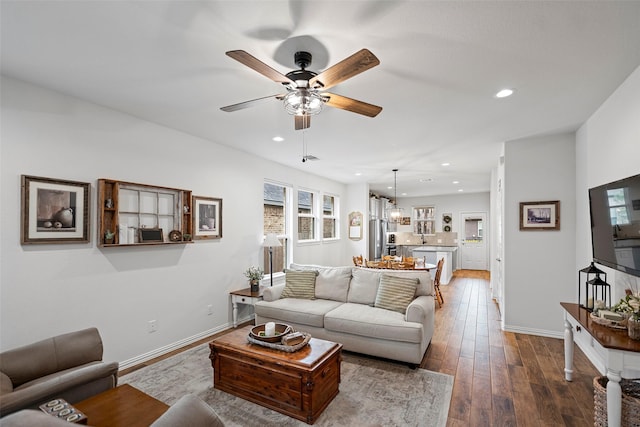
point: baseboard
(173, 346)
(532, 331)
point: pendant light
(395, 214)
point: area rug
(373, 392)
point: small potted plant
(108, 237)
(186, 237)
(254, 274)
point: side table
(243, 296)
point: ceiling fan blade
(302, 122)
(353, 105)
(254, 63)
(248, 104)
(345, 69)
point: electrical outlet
(152, 326)
(209, 309)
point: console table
(610, 350)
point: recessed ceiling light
(278, 138)
(358, 173)
(456, 182)
(446, 164)
(504, 93)
(390, 187)
(460, 190)
(404, 194)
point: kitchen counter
(432, 254)
(436, 248)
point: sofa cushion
(295, 310)
(364, 286)
(360, 319)
(332, 282)
(299, 284)
(395, 293)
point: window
(424, 220)
(277, 219)
(330, 209)
(618, 206)
(306, 215)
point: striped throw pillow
(300, 284)
(396, 293)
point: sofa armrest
(37, 391)
(272, 293)
(6, 386)
(419, 309)
(189, 410)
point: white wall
(607, 149)
(539, 271)
(49, 289)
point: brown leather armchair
(67, 366)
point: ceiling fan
(305, 90)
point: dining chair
(436, 283)
(358, 261)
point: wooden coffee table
(121, 406)
(300, 384)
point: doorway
(473, 242)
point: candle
(269, 329)
(590, 302)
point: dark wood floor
(501, 378)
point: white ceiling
(441, 64)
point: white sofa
(344, 311)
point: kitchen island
(432, 254)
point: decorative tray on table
(615, 324)
(280, 340)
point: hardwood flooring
(503, 378)
(500, 378)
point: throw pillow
(396, 293)
(299, 284)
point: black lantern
(592, 282)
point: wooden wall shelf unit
(141, 206)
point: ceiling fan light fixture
(303, 102)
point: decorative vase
(633, 326)
(255, 285)
(64, 216)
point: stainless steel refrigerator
(377, 239)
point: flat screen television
(615, 224)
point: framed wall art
(207, 222)
(54, 211)
(540, 215)
(355, 225)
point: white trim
(532, 331)
(174, 346)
